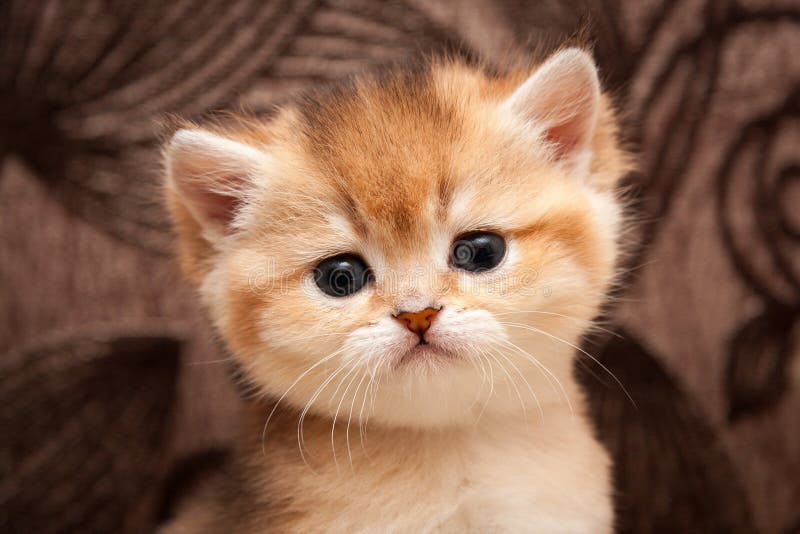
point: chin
(428, 395)
(431, 388)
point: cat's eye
(343, 275)
(477, 252)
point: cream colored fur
(487, 435)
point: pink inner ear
(217, 208)
(209, 174)
(563, 139)
(210, 194)
(567, 110)
(562, 97)
(570, 135)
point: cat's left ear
(561, 100)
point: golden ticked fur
(486, 430)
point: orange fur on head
(392, 169)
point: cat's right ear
(209, 176)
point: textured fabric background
(113, 391)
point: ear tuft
(562, 98)
(209, 175)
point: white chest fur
(544, 477)
(547, 477)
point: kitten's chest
(508, 483)
(521, 489)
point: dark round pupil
(341, 276)
(477, 252)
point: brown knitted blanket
(114, 394)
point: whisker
(513, 383)
(299, 378)
(209, 362)
(375, 394)
(329, 334)
(367, 391)
(482, 369)
(307, 407)
(598, 362)
(491, 388)
(589, 324)
(350, 418)
(339, 407)
(525, 380)
(548, 374)
(371, 391)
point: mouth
(427, 353)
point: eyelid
(318, 257)
(356, 255)
(482, 230)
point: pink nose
(418, 322)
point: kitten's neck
(319, 441)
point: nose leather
(418, 322)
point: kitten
(404, 266)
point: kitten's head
(420, 248)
